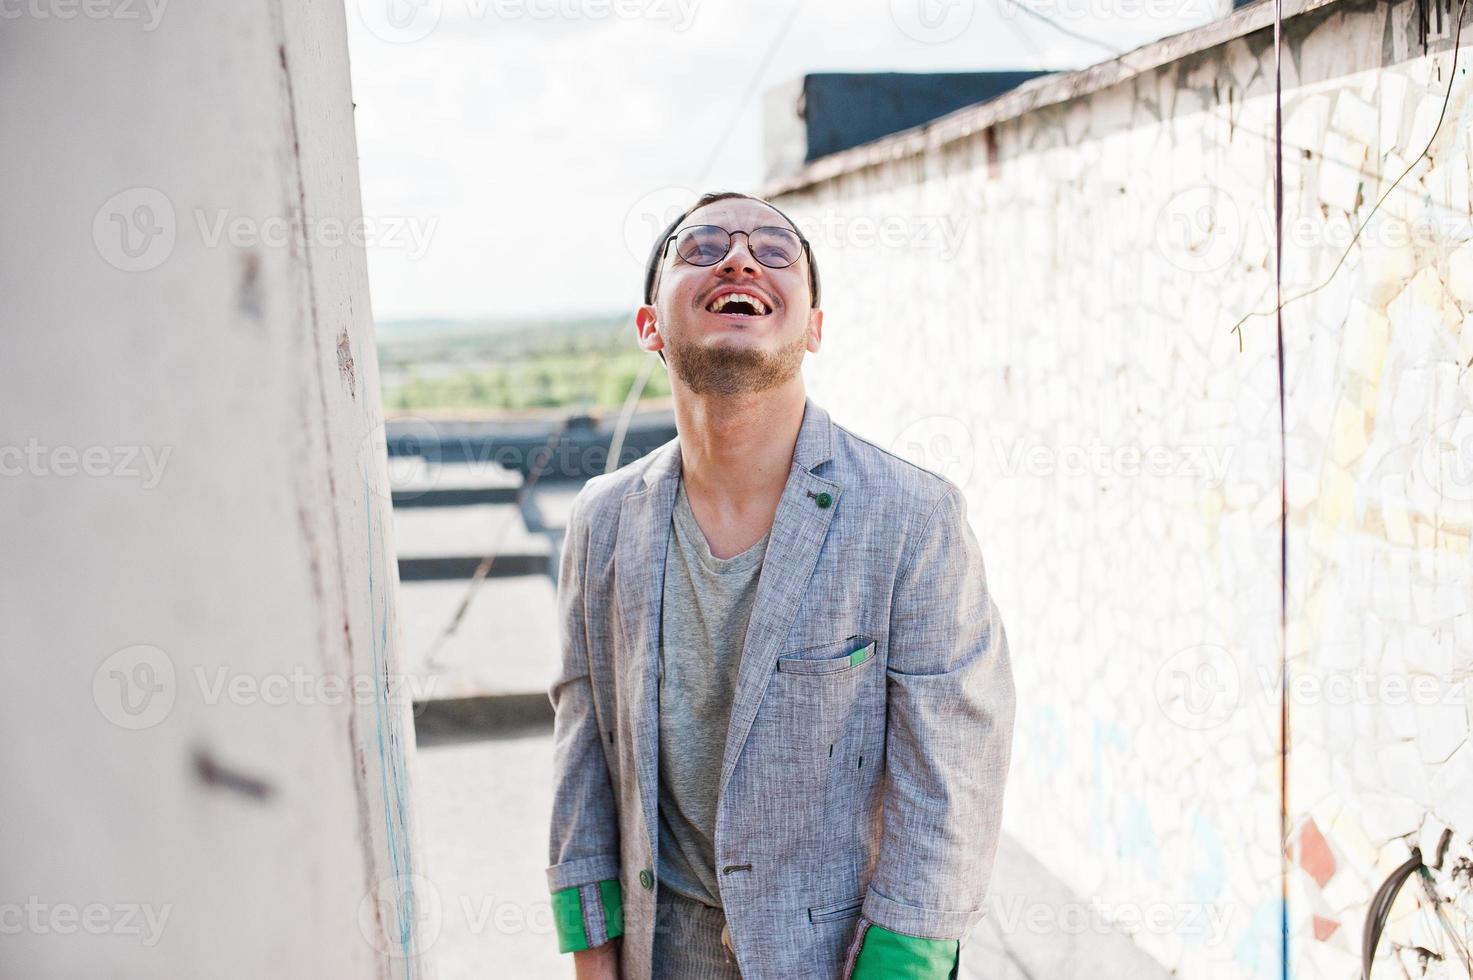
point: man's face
(725, 352)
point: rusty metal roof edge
(1046, 91)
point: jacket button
(646, 878)
(823, 499)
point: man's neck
(736, 450)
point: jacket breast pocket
(855, 652)
(821, 690)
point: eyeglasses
(776, 248)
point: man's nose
(740, 259)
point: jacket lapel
(798, 532)
(639, 562)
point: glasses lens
(776, 248)
(703, 244)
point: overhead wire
(1280, 303)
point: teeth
(720, 303)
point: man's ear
(815, 330)
(644, 326)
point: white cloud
(528, 139)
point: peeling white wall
(1044, 312)
(204, 759)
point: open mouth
(739, 304)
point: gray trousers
(688, 941)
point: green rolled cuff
(886, 955)
(589, 915)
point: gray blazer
(853, 784)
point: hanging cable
(1283, 493)
(1280, 303)
(631, 402)
(539, 464)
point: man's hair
(657, 252)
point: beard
(719, 368)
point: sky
(518, 157)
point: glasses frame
(731, 240)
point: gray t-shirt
(706, 606)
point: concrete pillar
(205, 736)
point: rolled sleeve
(584, 832)
(950, 707)
(588, 915)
